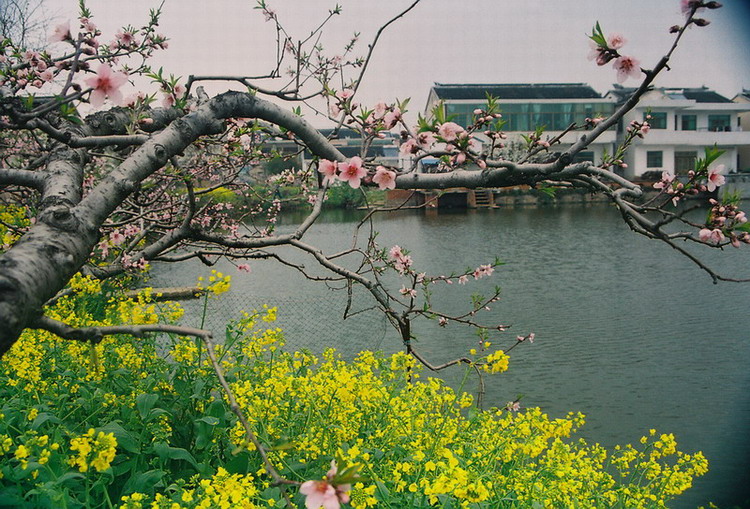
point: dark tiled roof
(699, 95)
(704, 95)
(516, 91)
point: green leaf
(165, 452)
(145, 402)
(712, 154)
(144, 482)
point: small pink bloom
(61, 33)
(627, 67)
(380, 110)
(168, 101)
(88, 25)
(645, 128)
(665, 182)
(449, 131)
(116, 237)
(409, 147)
(715, 178)
(243, 267)
(46, 75)
(600, 54)
(616, 41)
(126, 39)
(408, 291)
(513, 406)
(352, 172)
(714, 236)
(345, 94)
(106, 83)
(328, 169)
(740, 217)
(395, 253)
(391, 118)
(319, 494)
(463, 279)
(385, 179)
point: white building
(744, 151)
(684, 121)
(526, 106)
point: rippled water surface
(629, 332)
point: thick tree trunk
(38, 266)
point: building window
(654, 159)
(658, 119)
(689, 123)
(719, 123)
(684, 162)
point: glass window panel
(658, 119)
(689, 123)
(654, 159)
(719, 123)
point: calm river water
(628, 332)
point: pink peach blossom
(352, 172)
(61, 33)
(106, 83)
(616, 41)
(328, 169)
(715, 178)
(409, 147)
(385, 179)
(380, 110)
(391, 118)
(345, 94)
(319, 494)
(627, 67)
(243, 267)
(116, 237)
(125, 39)
(408, 291)
(324, 494)
(714, 236)
(449, 131)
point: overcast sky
(478, 41)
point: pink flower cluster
(325, 493)
(353, 171)
(606, 51)
(723, 219)
(402, 261)
(530, 337)
(483, 271)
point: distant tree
(24, 22)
